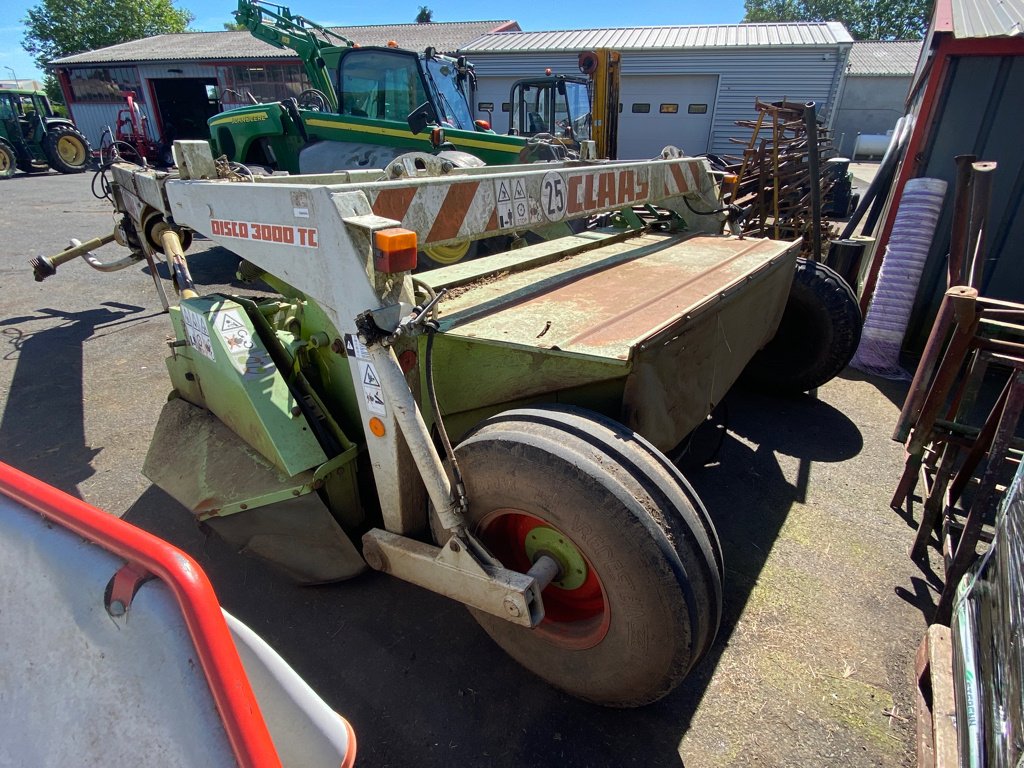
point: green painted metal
(276, 25)
(475, 373)
(236, 378)
(492, 148)
(665, 321)
(325, 368)
(543, 540)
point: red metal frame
(946, 46)
(243, 723)
(908, 168)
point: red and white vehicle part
(114, 650)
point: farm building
(684, 86)
(875, 89)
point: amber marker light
(377, 427)
(394, 250)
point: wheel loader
(495, 431)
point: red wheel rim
(573, 618)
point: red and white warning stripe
(440, 212)
(679, 179)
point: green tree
(56, 28)
(52, 87)
(425, 16)
(234, 26)
(866, 19)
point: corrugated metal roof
(884, 59)
(228, 46)
(988, 18)
(662, 38)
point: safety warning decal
(355, 348)
(372, 391)
(513, 207)
(247, 355)
(196, 332)
(283, 234)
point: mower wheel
(67, 149)
(637, 599)
(8, 160)
(818, 335)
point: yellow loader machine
(495, 431)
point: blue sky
(211, 14)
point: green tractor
(34, 139)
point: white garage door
(659, 110)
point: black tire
(817, 337)
(67, 149)
(8, 160)
(33, 166)
(648, 603)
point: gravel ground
(823, 609)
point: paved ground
(863, 174)
(813, 663)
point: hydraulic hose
(459, 488)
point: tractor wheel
(637, 601)
(33, 166)
(437, 256)
(67, 150)
(818, 335)
(8, 160)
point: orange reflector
(437, 137)
(392, 44)
(731, 178)
(394, 250)
(377, 427)
(483, 125)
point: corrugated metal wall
(983, 121)
(799, 74)
(93, 118)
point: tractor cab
(555, 105)
(23, 114)
(390, 83)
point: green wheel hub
(547, 541)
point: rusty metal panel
(679, 377)
(605, 303)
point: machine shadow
(210, 265)
(43, 416)
(423, 685)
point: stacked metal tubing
(774, 175)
